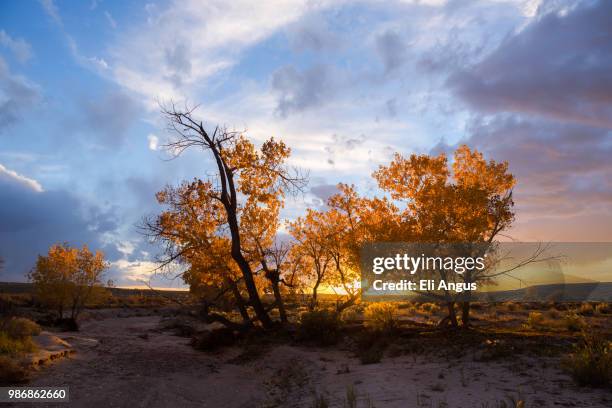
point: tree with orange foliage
(470, 202)
(312, 234)
(67, 278)
(222, 227)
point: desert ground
(143, 358)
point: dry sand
(129, 362)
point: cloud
(324, 191)
(111, 116)
(19, 47)
(312, 33)
(214, 35)
(153, 141)
(110, 19)
(17, 95)
(557, 67)
(392, 50)
(9, 176)
(562, 169)
(300, 90)
(32, 219)
(52, 11)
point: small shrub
(554, 314)
(586, 309)
(349, 314)
(535, 320)
(512, 306)
(12, 372)
(380, 316)
(591, 362)
(430, 308)
(19, 328)
(214, 339)
(573, 322)
(321, 327)
(603, 308)
(12, 346)
(371, 347)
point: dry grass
(591, 362)
(381, 316)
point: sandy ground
(129, 362)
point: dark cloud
(110, 116)
(561, 169)
(17, 96)
(392, 50)
(314, 34)
(323, 191)
(558, 67)
(31, 220)
(301, 90)
(178, 60)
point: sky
(344, 83)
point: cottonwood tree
(311, 234)
(354, 221)
(220, 227)
(470, 202)
(330, 241)
(67, 278)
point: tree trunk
(240, 302)
(279, 302)
(313, 299)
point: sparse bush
(535, 320)
(573, 322)
(16, 336)
(591, 362)
(371, 347)
(603, 308)
(321, 327)
(553, 313)
(430, 308)
(11, 372)
(14, 346)
(512, 306)
(350, 314)
(214, 339)
(19, 328)
(381, 316)
(586, 309)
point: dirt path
(129, 362)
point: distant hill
(560, 292)
(20, 287)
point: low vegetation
(590, 364)
(15, 341)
